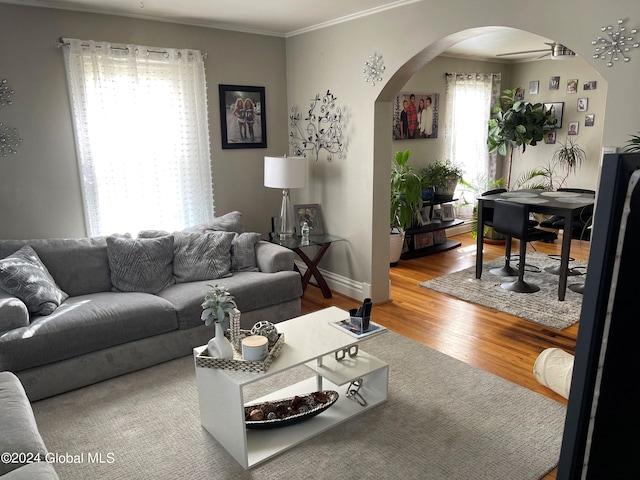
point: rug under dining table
(541, 307)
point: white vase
(219, 346)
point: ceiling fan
(556, 50)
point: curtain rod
(62, 43)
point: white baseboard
(337, 283)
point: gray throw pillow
(243, 252)
(140, 264)
(202, 256)
(229, 222)
(23, 275)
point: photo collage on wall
(557, 109)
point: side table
(297, 244)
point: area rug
(443, 419)
(541, 307)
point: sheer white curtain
(469, 99)
(142, 136)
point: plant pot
(396, 242)
(445, 193)
(219, 346)
(427, 194)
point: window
(470, 98)
(142, 136)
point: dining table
(564, 204)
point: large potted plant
(515, 125)
(405, 203)
(443, 177)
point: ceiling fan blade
(525, 51)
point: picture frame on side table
(243, 121)
(312, 214)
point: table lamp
(285, 173)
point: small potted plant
(633, 144)
(218, 306)
(405, 201)
(443, 176)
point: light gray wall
(39, 186)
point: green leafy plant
(474, 189)
(569, 156)
(440, 174)
(515, 125)
(217, 305)
(406, 197)
(553, 175)
(633, 145)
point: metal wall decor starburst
(9, 140)
(5, 93)
(373, 69)
(616, 45)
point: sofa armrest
(13, 313)
(19, 431)
(272, 258)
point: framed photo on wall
(534, 86)
(573, 128)
(415, 115)
(583, 104)
(243, 121)
(555, 109)
(589, 119)
(312, 214)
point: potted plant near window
(516, 124)
(405, 202)
(443, 176)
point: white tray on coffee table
(310, 341)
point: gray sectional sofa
(24, 455)
(102, 317)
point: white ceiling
(286, 18)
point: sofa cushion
(84, 324)
(13, 312)
(23, 274)
(201, 256)
(80, 266)
(252, 290)
(243, 252)
(229, 222)
(140, 264)
(17, 423)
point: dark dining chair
(512, 219)
(580, 225)
(487, 214)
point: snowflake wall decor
(616, 45)
(9, 140)
(323, 129)
(373, 69)
(5, 93)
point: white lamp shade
(285, 172)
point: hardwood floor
(502, 344)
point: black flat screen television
(601, 434)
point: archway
(384, 147)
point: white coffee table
(311, 341)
